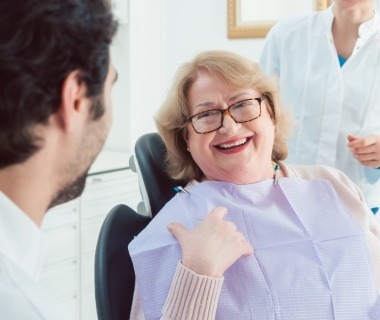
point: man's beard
(94, 140)
(70, 191)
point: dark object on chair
(114, 275)
(150, 153)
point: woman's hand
(212, 246)
(366, 149)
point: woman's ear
(185, 135)
(272, 116)
(270, 108)
(74, 100)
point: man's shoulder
(21, 297)
(14, 302)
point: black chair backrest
(114, 275)
(150, 153)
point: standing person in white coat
(328, 66)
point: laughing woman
(316, 244)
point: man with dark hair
(55, 84)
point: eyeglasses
(211, 120)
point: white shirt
(22, 247)
(328, 101)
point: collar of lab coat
(21, 240)
(365, 29)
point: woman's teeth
(236, 143)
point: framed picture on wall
(254, 18)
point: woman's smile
(233, 146)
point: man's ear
(74, 100)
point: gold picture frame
(256, 29)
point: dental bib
(310, 261)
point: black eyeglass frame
(226, 111)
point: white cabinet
(61, 272)
(73, 229)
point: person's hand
(365, 149)
(212, 246)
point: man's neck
(31, 193)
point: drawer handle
(96, 180)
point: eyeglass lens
(211, 120)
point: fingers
(247, 249)
(216, 215)
(177, 230)
(358, 142)
(365, 156)
(352, 137)
(365, 149)
(228, 228)
(213, 245)
(371, 163)
(368, 159)
(218, 212)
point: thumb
(248, 250)
(177, 230)
(352, 137)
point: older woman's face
(237, 152)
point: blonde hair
(236, 71)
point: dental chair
(149, 161)
(114, 274)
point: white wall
(159, 36)
(197, 25)
(118, 138)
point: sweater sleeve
(192, 296)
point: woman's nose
(229, 125)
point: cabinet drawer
(70, 304)
(112, 183)
(62, 279)
(108, 190)
(89, 304)
(88, 270)
(61, 215)
(100, 207)
(63, 243)
(90, 234)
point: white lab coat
(328, 101)
(22, 247)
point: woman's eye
(204, 115)
(242, 104)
